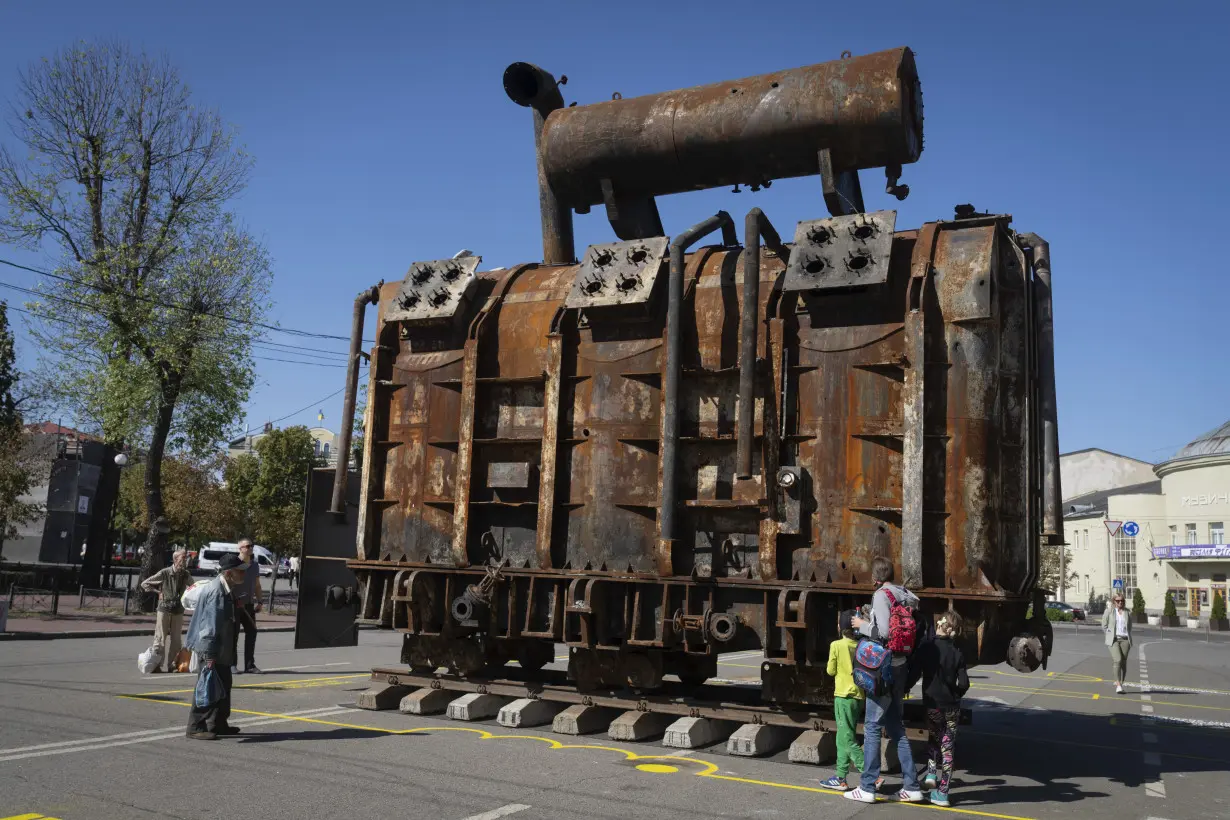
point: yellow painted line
(661, 764)
(26, 817)
(1065, 693)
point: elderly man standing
(211, 634)
(169, 626)
(247, 604)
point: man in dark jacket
(211, 635)
(884, 713)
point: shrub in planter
(1058, 615)
(1217, 619)
(1138, 607)
(1169, 616)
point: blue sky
(382, 136)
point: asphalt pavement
(1058, 742)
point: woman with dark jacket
(945, 682)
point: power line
(253, 355)
(171, 306)
(301, 409)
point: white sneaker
(905, 796)
(1119, 688)
(862, 796)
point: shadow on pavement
(340, 733)
(1041, 756)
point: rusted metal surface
(866, 110)
(655, 455)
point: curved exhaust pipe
(530, 86)
(372, 296)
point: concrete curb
(101, 633)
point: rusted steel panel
(867, 110)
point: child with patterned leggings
(945, 682)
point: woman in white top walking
(1117, 624)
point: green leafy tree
(1049, 571)
(1219, 606)
(1138, 601)
(197, 508)
(158, 287)
(18, 459)
(269, 487)
(1168, 609)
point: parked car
(1077, 613)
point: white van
(214, 551)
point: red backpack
(902, 629)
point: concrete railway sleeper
(733, 705)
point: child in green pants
(847, 703)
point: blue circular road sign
(1131, 529)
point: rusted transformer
(656, 455)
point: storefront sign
(1193, 551)
(1204, 500)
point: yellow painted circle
(657, 768)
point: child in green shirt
(847, 703)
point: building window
(1217, 532)
(1204, 597)
(1219, 577)
(1086, 539)
(315, 448)
(1125, 562)
(325, 451)
(1191, 533)
(1088, 588)
(1193, 578)
(1174, 535)
(1180, 597)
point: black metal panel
(328, 543)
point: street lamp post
(121, 461)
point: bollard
(81, 598)
(127, 590)
(273, 585)
(55, 596)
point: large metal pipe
(372, 296)
(755, 226)
(1052, 491)
(866, 110)
(530, 86)
(674, 341)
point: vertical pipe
(371, 295)
(1052, 493)
(670, 384)
(530, 86)
(754, 226)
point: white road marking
(1152, 760)
(502, 811)
(129, 738)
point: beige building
(1168, 534)
(323, 442)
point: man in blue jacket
(211, 635)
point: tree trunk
(156, 542)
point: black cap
(845, 619)
(229, 561)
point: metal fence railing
(26, 599)
(104, 600)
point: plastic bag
(189, 598)
(149, 660)
(182, 660)
(194, 664)
(209, 689)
